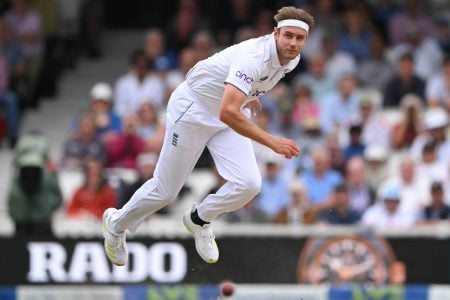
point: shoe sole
(188, 228)
(106, 245)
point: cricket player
(211, 108)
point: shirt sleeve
(243, 73)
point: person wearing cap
(436, 122)
(107, 122)
(375, 165)
(212, 108)
(386, 212)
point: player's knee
(252, 186)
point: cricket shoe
(115, 244)
(205, 242)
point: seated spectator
(375, 165)
(375, 128)
(298, 210)
(107, 122)
(437, 87)
(274, 194)
(413, 187)
(436, 122)
(25, 26)
(338, 62)
(360, 193)
(321, 180)
(34, 192)
(356, 146)
(124, 148)
(386, 212)
(95, 196)
(409, 127)
(340, 211)
(438, 210)
(340, 106)
(138, 85)
(405, 81)
(305, 108)
(83, 144)
(151, 130)
(146, 163)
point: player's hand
(286, 147)
(255, 106)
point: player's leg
(235, 161)
(184, 141)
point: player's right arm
(231, 114)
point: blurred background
(363, 213)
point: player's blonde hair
(291, 12)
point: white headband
(293, 23)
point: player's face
(290, 42)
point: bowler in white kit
(210, 109)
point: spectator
(375, 128)
(94, 196)
(341, 106)
(360, 193)
(338, 62)
(442, 32)
(321, 180)
(9, 103)
(412, 187)
(356, 37)
(386, 213)
(25, 27)
(356, 146)
(155, 49)
(124, 148)
(376, 165)
(405, 81)
(34, 193)
(274, 194)
(405, 131)
(145, 163)
(316, 78)
(375, 71)
(428, 56)
(305, 108)
(298, 210)
(203, 45)
(186, 60)
(438, 210)
(83, 144)
(340, 211)
(438, 87)
(412, 15)
(138, 85)
(435, 123)
(151, 129)
(107, 122)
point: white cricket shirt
(251, 66)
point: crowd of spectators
(369, 106)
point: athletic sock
(196, 219)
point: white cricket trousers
(190, 127)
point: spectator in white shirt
(386, 213)
(138, 85)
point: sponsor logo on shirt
(257, 93)
(244, 77)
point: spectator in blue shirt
(340, 212)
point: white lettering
(46, 256)
(177, 260)
(138, 254)
(89, 258)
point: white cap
(375, 153)
(101, 91)
(435, 118)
